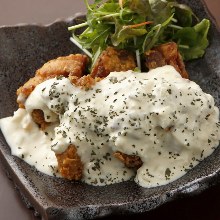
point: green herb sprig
(139, 25)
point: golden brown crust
(84, 82)
(166, 54)
(38, 118)
(130, 161)
(72, 65)
(69, 164)
(113, 60)
(27, 89)
(154, 59)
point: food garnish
(139, 25)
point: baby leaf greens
(139, 25)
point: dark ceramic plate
(23, 49)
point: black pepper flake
(59, 77)
(101, 180)
(113, 80)
(191, 165)
(167, 173)
(76, 102)
(107, 156)
(64, 134)
(93, 153)
(207, 117)
(169, 91)
(79, 113)
(149, 174)
(202, 153)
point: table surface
(203, 206)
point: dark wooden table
(203, 206)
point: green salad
(139, 25)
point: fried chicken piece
(69, 164)
(72, 65)
(166, 54)
(38, 118)
(24, 91)
(84, 82)
(154, 59)
(130, 161)
(113, 60)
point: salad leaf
(153, 36)
(193, 40)
(142, 7)
(123, 33)
(139, 25)
(161, 11)
(93, 39)
(184, 17)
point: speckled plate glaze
(23, 49)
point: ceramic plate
(23, 49)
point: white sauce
(28, 142)
(168, 121)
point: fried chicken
(72, 65)
(130, 161)
(38, 117)
(69, 164)
(154, 59)
(84, 82)
(166, 54)
(112, 60)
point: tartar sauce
(168, 121)
(29, 143)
